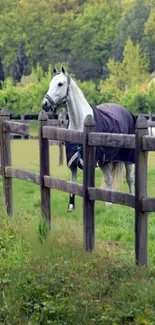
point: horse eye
(60, 84)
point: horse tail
(117, 172)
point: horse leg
(107, 172)
(71, 205)
(130, 177)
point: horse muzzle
(47, 105)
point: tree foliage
(131, 71)
(19, 65)
(109, 45)
(92, 40)
(84, 33)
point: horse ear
(54, 70)
(63, 70)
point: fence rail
(111, 140)
(98, 194)
(58, 121)
(141, 142)
(15, 127)
(22, 174)
(148, 143)
(62, 135)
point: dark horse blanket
(109, 118)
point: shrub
(139, 102)
(27, 95)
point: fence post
(141, 218)
(88, 181)
(44, 168)
(5, 145)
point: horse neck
(78, 107)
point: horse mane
(77, 88)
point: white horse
(62, 89)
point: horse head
(58, 91)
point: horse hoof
(70, 207)
(108, 204)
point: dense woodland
(107, 45)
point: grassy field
(55, 281)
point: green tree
(44, 30)
(132, 26)
(84, 33)
(150, 25)
(132, 70)
(20, 63)
(150, 37)
(91, 46)
(135, 64)
(9, 31)
(116, 75)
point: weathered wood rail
(55, 120)
(22, 129)
(141, 142)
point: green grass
(56, 281)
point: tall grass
(56, 281)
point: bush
(109, 95)
(27, 95)
(135, 102)
(139, 102)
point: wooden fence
(59, 121)
(141, 142)
(55, 121)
